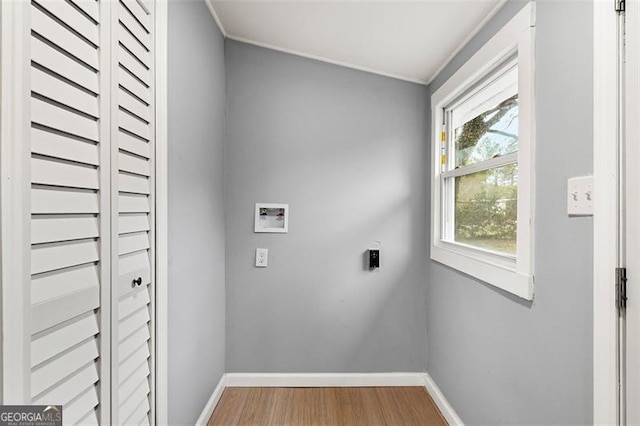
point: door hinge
(621, 289)
(619, 5)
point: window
(482, 168)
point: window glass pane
(492, 133)
(486, 209)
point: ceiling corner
(215, 16)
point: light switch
(262, 257)
(580, 196)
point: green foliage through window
(486, 207)
(486, 201)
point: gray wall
(347, 150)
(497, 359)
(196, 213)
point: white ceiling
(410, 40)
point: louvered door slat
(129, 223)
(146, 5)
(133, 105)
(85, 403)
(46, 171)
(90, 419)
(64, 39)
(63, 337)
(133, 45)
(63, 65)
(132, 323)
(74, 19)
(61, 200)
(141, 413)
(129, 21)
(137, 398)
(134, 85)
(132, 203)
(134, 362)
(133, 302)
(133, 184)
(131, 384)
(49, 115)
(139, 13)
(48, 257)
(135, 340)
(89, 7)
(134, 145)
(48, 375)
(71, 386)
(46, 229)
(56, 89)
(134, 125)
(48, 143)
(129, 243)
(133, 264)
(65, 281)
(47, 314)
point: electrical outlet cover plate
(262, 257)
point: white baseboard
(445, 408)
(213, 401)
(311, 380)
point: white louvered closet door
(70, 212)
(90, 145)
(133, 212)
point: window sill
(499, 271)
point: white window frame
(513, 274)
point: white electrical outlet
(262, 257)
(580, 196)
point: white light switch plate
(580, 196)
(262, 257)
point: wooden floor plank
(256, 408)
(329, 400)
(326, 406)
(229, 408)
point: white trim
(467, 39)
(491, 163)
(208, 409)
(446, 409)
(327, 60)
(491, 53)
(323, 379)
(517, 35)
(632, 255)
(604, 218)
(161, 236)
(215, 16)
(15, 202)
(487, 270)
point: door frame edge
(15, 262)
(161, 149)
(605, 239)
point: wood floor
(326, 406)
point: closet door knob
(137, 282)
